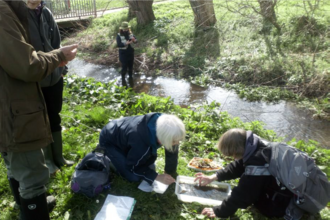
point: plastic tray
(201, 200)
(204, 170)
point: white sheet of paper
(145, 187)
(116, 208)
(157, 187)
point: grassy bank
(238, 50)
(89, 105)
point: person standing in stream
(125, 42)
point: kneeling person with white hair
(131, 143)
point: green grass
(89, 105)
(235, 51)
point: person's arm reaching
(233, 170)
(21, 61)
(171, 160)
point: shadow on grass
(205, 45)
(153, 42)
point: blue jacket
(131, 136)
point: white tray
(204, 201)
(203, 170)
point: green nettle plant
(89, 105)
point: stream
(284, 118)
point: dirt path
(100, 13)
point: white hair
(170, 130)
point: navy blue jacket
(130, 134)
(126, 52)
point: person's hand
(69, 53)
(63, 63)
(208, 212)
(173, 174)
(165, 178)
(204, 180)
(128, 42)
(133, 39)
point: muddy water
(284, 118)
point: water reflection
(284, 118)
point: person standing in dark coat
(25, 129)
(131, 143)
(45, 36)
(262, 192)
(125, 42)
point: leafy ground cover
(89, 105)
(237, 50)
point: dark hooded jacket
(261, 191)
(131, 135)
(45, 36)
(126, 52)
(24, 125)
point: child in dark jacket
(125, 41)
(261, 191)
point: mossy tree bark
(142, 10)
(204, 15)
(267, 10)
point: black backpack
(92, 175)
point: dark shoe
(35, 208)
(131, 82)
(57, 150)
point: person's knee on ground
(132, 178)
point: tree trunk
(204, 15)
(131, 13)
(142, 10)
(267, 10)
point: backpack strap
(257, 170)
(260, 170)
(100, 149)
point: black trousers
(127, 63)
(53, 96)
